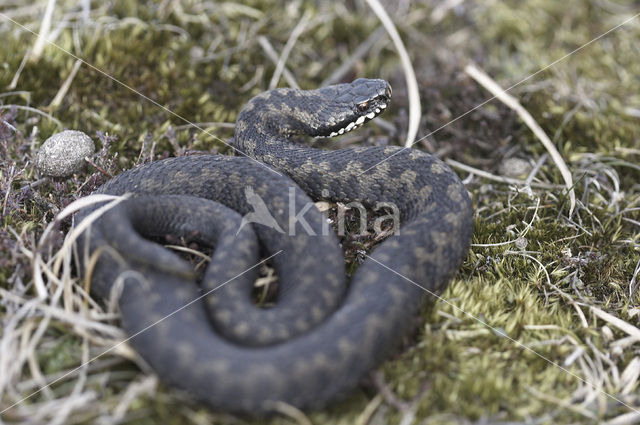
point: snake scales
(323, 335)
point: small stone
(515, 167)
(196, 53)
(521, 242)
(63, 153)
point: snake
(203, 333)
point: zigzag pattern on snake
(324, 334)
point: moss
(203, 61)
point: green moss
(203, 61)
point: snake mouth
(359, 121)
(345, 107)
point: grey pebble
(515, 167)
(63, 153)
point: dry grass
(541, 323)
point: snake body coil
(323, 335)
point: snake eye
(362, 107)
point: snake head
(348, 106)
(325, 112)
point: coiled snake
(323, 335)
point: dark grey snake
(324, 334)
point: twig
(8, 191)
(36, 183)
(358, 54)
(291, 412)
(629, 418)
(535, 169)
(205, 125)
(409, 75)
(566, 296)
(617, 322)
(369, 410)
(146, 385)
(43, 34)
(566, 404)
(488, 83)
(387, 394)
(14, 81)
(500, 179)
(35, 111)
(407, 408)
(9, 126)
(94, 165)
(25, 93)
(632, 283)
(57, 100)
(440, 11)
(521, 236)
(75, 319)
(271, 53)
(284, 55)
